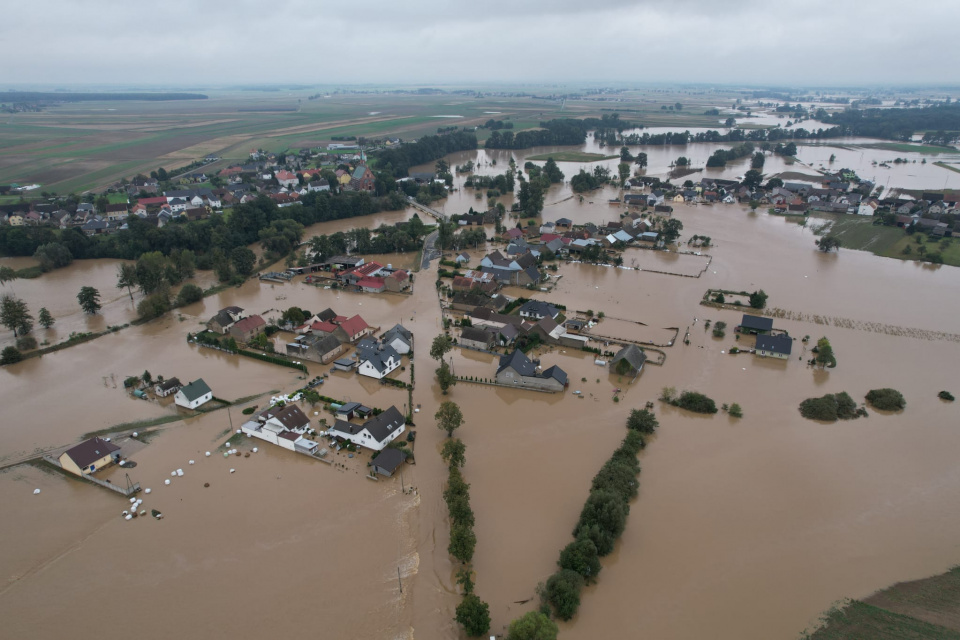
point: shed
(755, 324)
(388, 461)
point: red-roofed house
(371, 285)
(397, 281)
(355, 328)
(366, 270)
(548, 237)
(286, 178)
(153, 202)
(245, 329)
(139, 209)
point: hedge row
(272, 359)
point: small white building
(193, 395)
(376, 360)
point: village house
(755, 324)
(538, 309)
(388, 461)
(283, 426)
(362, 179)
(115, 212)
(315, 348)
(778, 346)
(477, 338)
(375, 433)
(399, 338)
(167, 387)
(89, 456)
(355, 328)
(193, 395)
(287, 179)
(375, 359)
(397, 281)
(225, 319)
(633, 356)
(245, 329)
(517, 369)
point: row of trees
(721, 157)
(602, 520)
(897, 124)
(398, 160)
(361, 240)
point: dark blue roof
(781, 344)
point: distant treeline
(54, 96)
(735, 135)
(894, 124)
(562, 131)
(246, 224)
(397, 161)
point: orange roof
(354, 325)
(286, 175)
(372, 283)
(249, 323)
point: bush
(696, 402)
(643, 421)
(563, 593)
(26, 343)
(533, 625)
(735, 410)
(886, 399)
(581, 556)
(618, 476)
(463, 541)
(10, 355)
(248, 411)
(719, 329)
(945, 395)
(830, 407)
(154, 305)
(602, 520)
(474, 614)
(189, 294)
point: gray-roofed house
(778, 346)
(225, 319)
(538, 309)
(755, 324)
(388, 461)
(316, 348)
(518, 370)
(632, 358)
(399, 338)
(376, 360)
(476, 338)
(167, 387)
(193, 395)
(89, 456)
(375, 433)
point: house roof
(196, 389)
(390, 459)
(286, 175)
(398, 331)
(778, 344)
(370, 283)
(354, 325)
(89, 451)
(169, 384)
(632, 354)
(359, 172)
(325, 327)
(476, 334)
(539, 308)
(756, 323)
(519, 362)
(327, 314)
(290, 416)
(384, 424)
(376, 354)
(326, 344)
(250, 323)
(556, 373)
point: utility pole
(399, 581)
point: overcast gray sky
(210, 42)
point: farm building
(89, 456)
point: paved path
(429, 249)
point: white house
(284, 427)
(375, 433)
(193, 395)
(376, 360)
(867, 208)
(287, 179)
(399, 338)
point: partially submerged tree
(45, 318)
(453, 452)
(828, 243)
(15, 316)
(89, 299)
(449, 417)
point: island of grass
(571, 156)
(921, 609)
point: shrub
(736, 411)
(602, 520)
(10, 355)
(618, 476)
(945, 395)
(463, 541)
(643, 421)
(563, 593)
(189, 294)
(886, 399)
(533, 625)
(696, 402)
(581, 556)
(154, 305)
(474, 614)
(830, 407)
(719, 329)
(248, 411)
(26, 343)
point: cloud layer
(212, 42)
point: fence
(124, 491)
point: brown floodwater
(743, 528)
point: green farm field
(88, 146)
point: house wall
(364, 439)
(69, 465)
(771, 354)
(474, 344)
(268, 436)
(367, 369)
(400, 347)
(286, 444)
(182, 401)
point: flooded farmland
(743, 528)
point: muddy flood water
(743, 529)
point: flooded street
(743, 528)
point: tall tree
(641, 160)
(89, 299)
(453, 452)
(244, 260)
(445, 377)
(825, 357)
(441, 345)
(449, 417)
(127, 277)
(7, 275)
(15, 316)
(45, 318)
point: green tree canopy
(449, 417)
(89, 299)
(533, 625)
(474, 614)
(453, 452)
